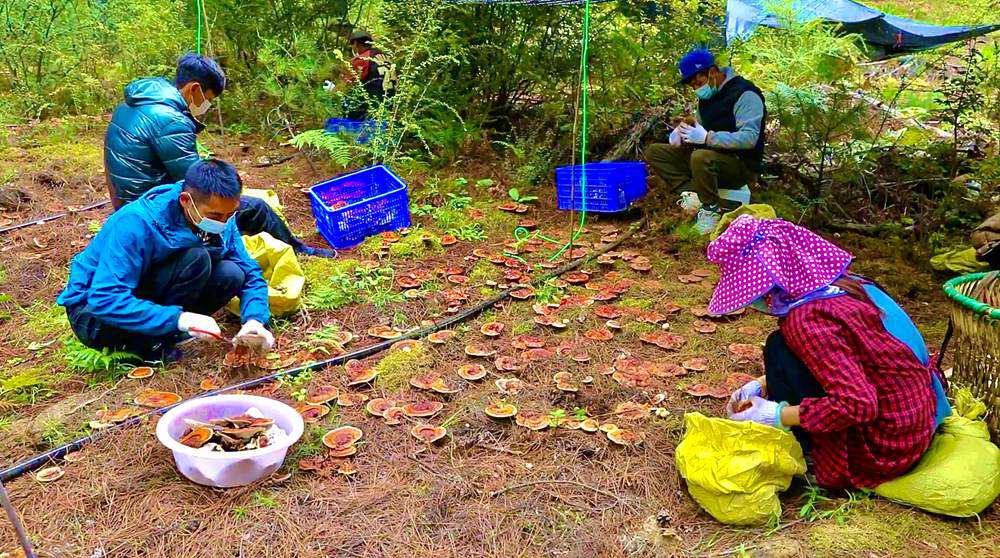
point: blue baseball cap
(695, 61)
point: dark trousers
(255, 216)
(788, 379)
(702, 171)
(196, 279)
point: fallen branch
(633, 139)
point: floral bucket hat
(757, 255)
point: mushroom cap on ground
(428, 433)
(500, 410)
(341, 437)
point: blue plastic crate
(611, 187)
(374, 200)
(362, 130)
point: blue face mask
(211, 226)
(705, 92)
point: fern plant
(334, 145)
(102, 365)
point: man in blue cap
(151, 141)
(721, 152)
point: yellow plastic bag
(269, 196)
(959, 261)
(281, 269)
(959, 474)
(735, 470)
(758, 210)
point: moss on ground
(881, 528)
(397, 367)
(640, 303)
(483, 271)
(317, 270)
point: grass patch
(496, 222)
(27, 387)
(887, 532)
(310, 444)
(397, 367)
(46, 320)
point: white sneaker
(741, 196)
(707, 220)
(689, 202)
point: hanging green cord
(198, 11)
(584, 86)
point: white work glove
(693, 134)
(329, 86)
(761, 411)
(253, 334)
(749, 389)
(675, 137)
(199, 325)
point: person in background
(163, 264)
(151, 141)
(847, 370)
(718, 154)
(371, 74)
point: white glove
(693, 134)
(675, 137)
(329, 86)
(199, 325)
(253, 334)
(749, 389)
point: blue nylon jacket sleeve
(116, 277)
(749, 112)
(253, 296)
(175, 146)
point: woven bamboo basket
(975, 320)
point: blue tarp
(888, 34)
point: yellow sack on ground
(958, 261)
(735, 469)
(959, 474)
(269, 196)
(758, 210)
(285, 280)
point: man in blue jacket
(162, 265)
(719, 154)
(151, 141)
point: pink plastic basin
(228, 469)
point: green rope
(585, 112)
(197, 28)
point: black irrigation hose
(52, 217)
(41, 459)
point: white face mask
(198, 110)
(202, 108)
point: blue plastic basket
(611, 187)
(362, 130)
(376, 201)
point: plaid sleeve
(823, 340)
